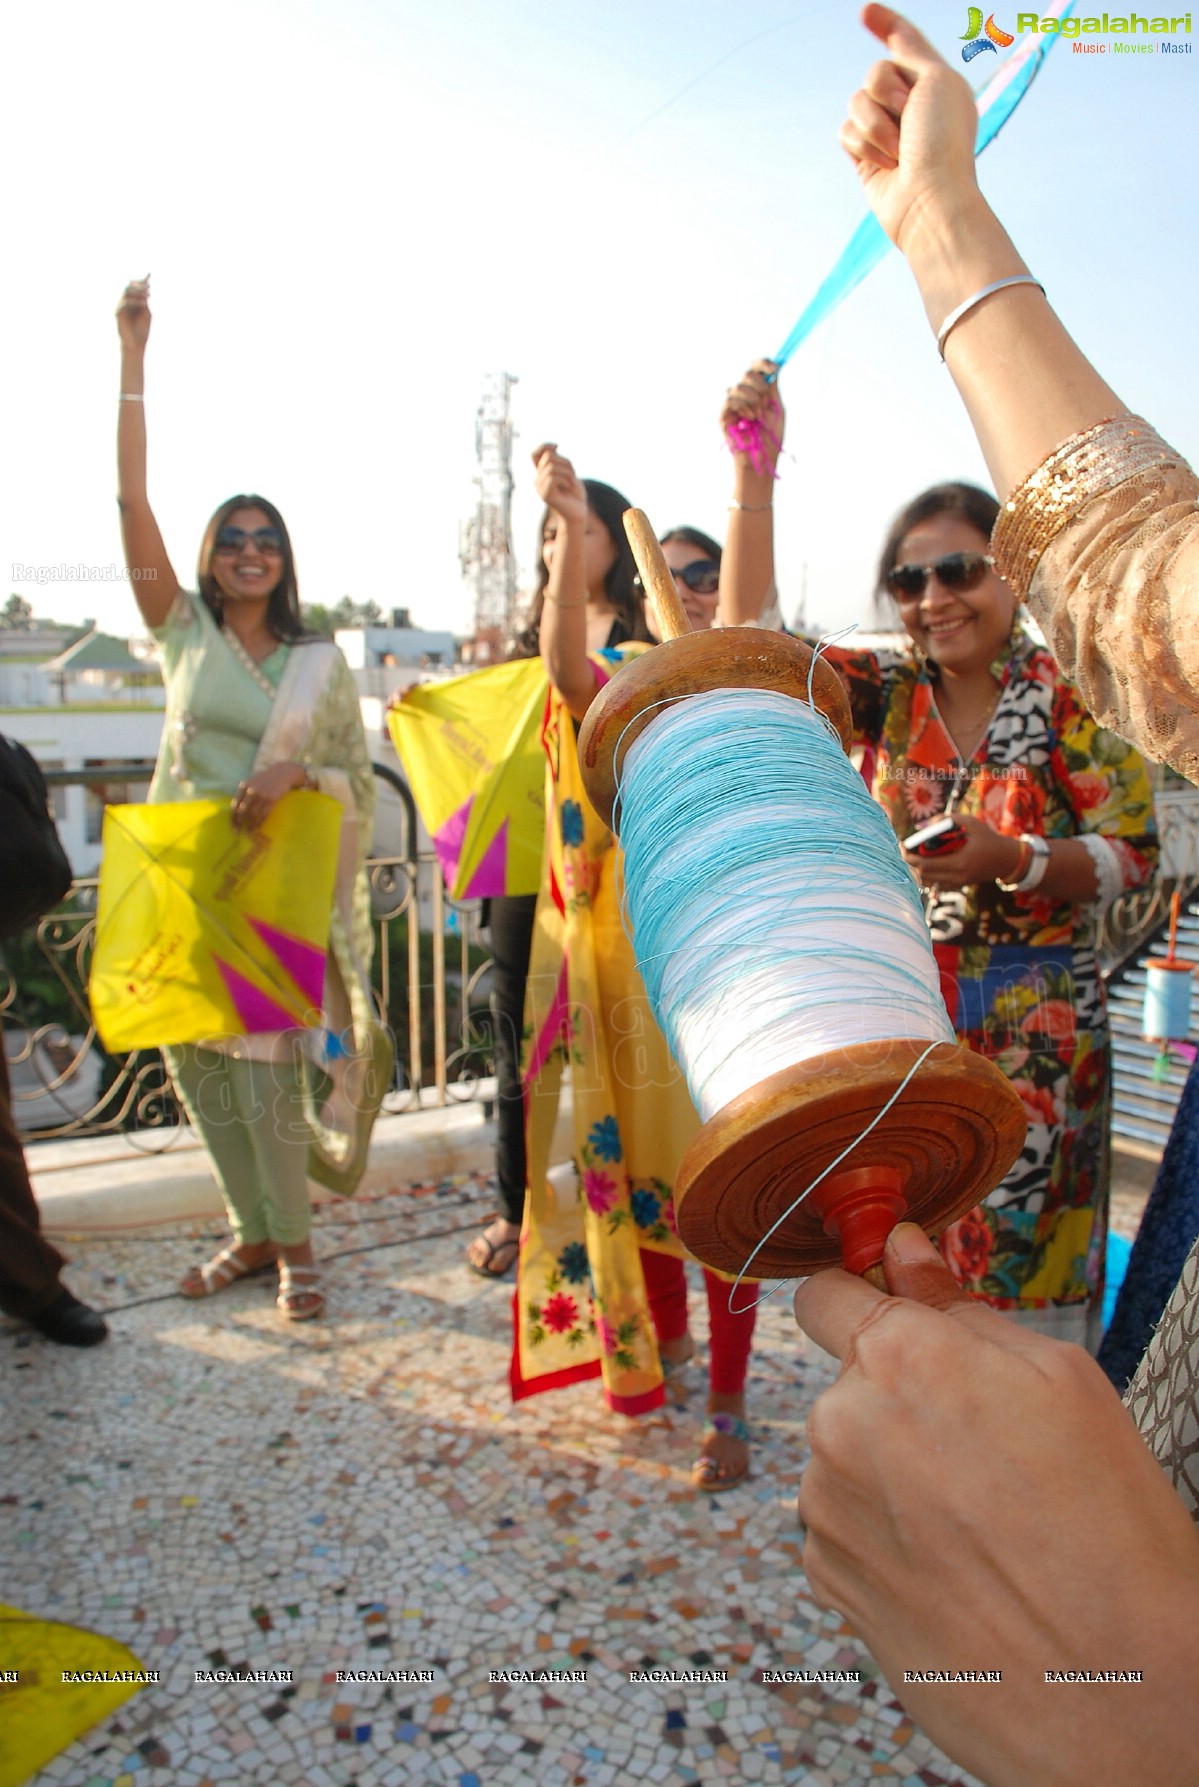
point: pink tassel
(746, 437)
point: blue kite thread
(869, 243)
(766, 894)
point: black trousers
(29, 1266)
(510, 922)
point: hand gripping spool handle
(956, 1126)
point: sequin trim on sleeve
(1084, 467)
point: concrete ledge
(108, 1184)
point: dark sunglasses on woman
(232, 539)
(956, 571)
(702, 576)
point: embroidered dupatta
(581, 1306)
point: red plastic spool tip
(859, 1208)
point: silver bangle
(1035, 872)
(752, 508)
(999, 285)
(130, 397)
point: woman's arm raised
(747, 567)
(155, 584)
(563, 636)
(910, 134)
(1099, 527)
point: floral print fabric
(1018, 971)
(581, 1306)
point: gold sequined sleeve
(1103, 543)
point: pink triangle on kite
(256, 1009)
(490, 879)
(447, 840)
(305, 962)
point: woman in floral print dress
(596, 1295)
(1021, 760)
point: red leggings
(731, 1335)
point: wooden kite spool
(957, 1126)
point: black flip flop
(494, 1247)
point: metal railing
(430, 977)
(1133, 918)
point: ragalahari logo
(980, 37)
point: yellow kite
(40, 1713)
(205, 931)
(471, 749)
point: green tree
(346, 613)
(349, 613)
(17, 614)
(317, 618)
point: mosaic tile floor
(216, 1489)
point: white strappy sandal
(219, 1273)
(301, 1298)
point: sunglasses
(267, 539)
(956, 571)
(702, 576)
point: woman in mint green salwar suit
(256, 707)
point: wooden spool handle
(666, 613)
(952, 1128)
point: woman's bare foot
(723, 1460)
(493, 1252)
(241, 1259)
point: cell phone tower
(485, 544)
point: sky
(353, 210)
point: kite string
(996, 101)
(808, 1189)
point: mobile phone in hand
(940, 838)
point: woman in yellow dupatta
(582, 1305)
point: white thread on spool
(805, 966)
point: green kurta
(217, 712)
(219, 708)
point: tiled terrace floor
(359, 1493)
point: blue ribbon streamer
(869, 243)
